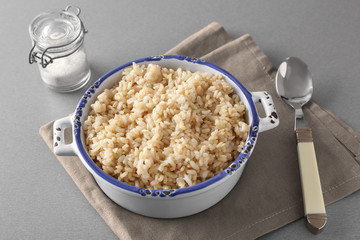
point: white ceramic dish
(176, 202)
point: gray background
(38, 200)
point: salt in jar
(58, 49)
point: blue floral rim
(235, 165)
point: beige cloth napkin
(268, 195)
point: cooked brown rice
(161, 128)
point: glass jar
(58, 49)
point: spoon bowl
(294, 82)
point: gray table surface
(38, 200)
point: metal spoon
(294, 86)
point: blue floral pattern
(238, 163)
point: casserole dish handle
(271, 120)
(60, 147)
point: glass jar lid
(56, 35)
(56, 29)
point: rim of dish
(234, 166)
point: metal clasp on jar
(45, 59)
